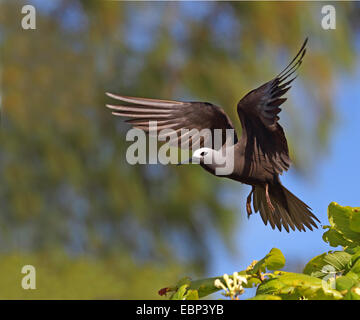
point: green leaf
(271, 286)
(338, 260)
(180, 289)
(295, 286)
(344, 229)
(204, 287)
(192, 295)
(252, 282)
(186, 289)
(345, 283)
(272, 261)
(180, 294)
(355, 258)
(315, 264)
(355, 220)
(355, 268)
(353, 293)
(355, 251)
(321, 265)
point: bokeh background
(96, 227)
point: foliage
(333, 275)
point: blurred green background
(95, 226)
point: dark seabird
(261, 154)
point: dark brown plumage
(261, 154)
(174, 115)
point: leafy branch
(333, 275)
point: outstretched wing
(266, 145)
(193, 124)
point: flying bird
(261, 154)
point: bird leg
(248, 203)
(268, 201)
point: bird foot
(248, 203)
(248, 209)
(270, 205)
(268, 201)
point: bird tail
(289, 211)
